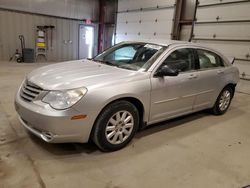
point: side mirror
(166, 71)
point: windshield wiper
(104, 62)
(125, 67)
(109, 63)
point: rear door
(211, 72)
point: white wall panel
(207, 2)
(148, 24)
(223, 30)
(135, 28)
(144, 16)
(124, 5)
(230, 49)
(162, 38)
(225, 12)
(232, 35)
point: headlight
(61, 100)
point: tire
(223, 101)
(108, 133)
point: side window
(209, 59)
(181, 60)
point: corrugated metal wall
(14, 24)
(225, 25)
(65, 35)
(79, 9)
(144, 20)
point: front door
(174, 95)
(86, 41)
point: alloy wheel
(119, 127)
(224, 100)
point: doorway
(86, 41)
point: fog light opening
(47, 136)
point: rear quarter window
(208, 59)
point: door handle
(191, 76)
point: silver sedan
(125, 88)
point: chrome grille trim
(29, 91)
(33, 89)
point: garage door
(225, 25)
(144, 20)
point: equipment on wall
(43, 39)
(26, 55)
(41, 42)
(22, 40)
(16, 56)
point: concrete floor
(199, 150)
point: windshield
(132, 56)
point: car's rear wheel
(116, 126)
(223, 101)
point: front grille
(30, 91)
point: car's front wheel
(116, 126)
(223, 101)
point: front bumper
(54, 126)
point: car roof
(178, 43)
(170, 42)
(160, 42)
(174, 43)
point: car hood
(80, 73)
